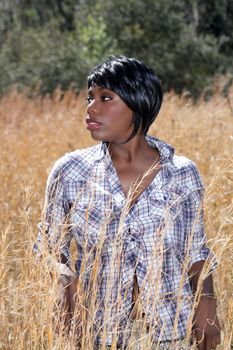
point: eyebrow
(99, 88)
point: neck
(129, 151)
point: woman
(135, 211)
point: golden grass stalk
(34, 133)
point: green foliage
(160, 33)
(95, 40)
(46, 57)
(57, 42)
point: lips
(92, 124)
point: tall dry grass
(34, 133)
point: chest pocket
(168, 206)
(165, 204)
(90, 221)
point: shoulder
(74, 165)
(183, 171)
(187, 173)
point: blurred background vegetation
(50, 43)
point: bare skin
(206, 325)
(110, 119)
(131, 169)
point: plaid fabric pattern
(157, 239)
(166, 346)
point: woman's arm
(205, 322)
(53, 242)
(53, 231)
(201, 263)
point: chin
(100, 135)
(104, 137)
(101, 138)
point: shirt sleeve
(53, 230)
(195, 242)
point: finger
(201, 345)
(209, 344)
(62, 307)
(215, 342)
(72, 294)
(200, 340)
(218, 340)
(61, 290)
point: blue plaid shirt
(157, 239)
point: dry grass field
(34, 133)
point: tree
(58, 42)
(160, 33)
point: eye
(105, 98)
(89, 99)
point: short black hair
(136, 84)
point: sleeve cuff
(204, 255)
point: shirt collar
(166, 151)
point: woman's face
(108, 117)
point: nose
(92, 107)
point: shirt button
(132, 239)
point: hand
(66, 300)
(206, 326)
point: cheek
(121, 117)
